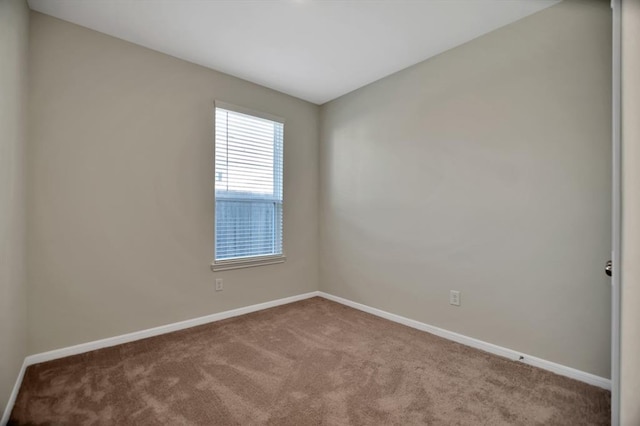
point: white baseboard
(163, 329)
(137, 335)
(560, 369)
(14, 394)
(156, 331)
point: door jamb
(616, 201)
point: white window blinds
(248, 187)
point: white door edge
(616, 201)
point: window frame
(248, 261)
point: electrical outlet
(454, 298)
(219, 284)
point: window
(248, 188)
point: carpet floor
(313, 362)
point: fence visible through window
(248, 186)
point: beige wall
(486, 170)
(14, 32)
(630, 329)
(121, 189)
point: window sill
(225, 265)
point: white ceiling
(312, 49)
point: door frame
(616, 208)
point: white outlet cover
(454, 298)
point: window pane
(248, 174)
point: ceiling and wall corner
(313, 50)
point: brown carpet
(308, 363)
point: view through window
(248, 186)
